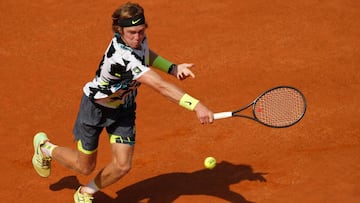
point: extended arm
(175, 94)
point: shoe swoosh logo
(188, 102)
(135, 21)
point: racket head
(279, 107)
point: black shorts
(93, 118)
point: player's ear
(120, 30)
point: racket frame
(234, 113)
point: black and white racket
(278, 107)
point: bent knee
(122, 169)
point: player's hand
(204, 115)
(183, 71)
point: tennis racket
(279, 107)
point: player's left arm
(180, 71)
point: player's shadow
(166, 188)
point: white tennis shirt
(115, 82)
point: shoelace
(46, 162)
(85, 198)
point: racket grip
(222, 115)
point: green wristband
(162, 64)
(188, 102)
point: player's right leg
(80, 160)
(75, 160)
(86, 130)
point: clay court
(49, 49)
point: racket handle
(222, 115)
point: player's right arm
(174, 94)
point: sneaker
(82, 198)
(41, 162)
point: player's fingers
(211, 118)
(186, 73)
(207, 120)
(179, 76)
(191, 74)
(188, 65)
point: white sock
(91, 188)
(48, 148)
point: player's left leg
(120, 165)
(122, 140)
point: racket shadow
(166, 188)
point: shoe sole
(39, 139)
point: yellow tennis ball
(210, 162)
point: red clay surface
(49, 49)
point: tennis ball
(210, 162)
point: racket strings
(280, 107)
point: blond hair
(127, 10)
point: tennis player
(109, 102)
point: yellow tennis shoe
(82, 198)
(41, 162)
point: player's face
(134, 35)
